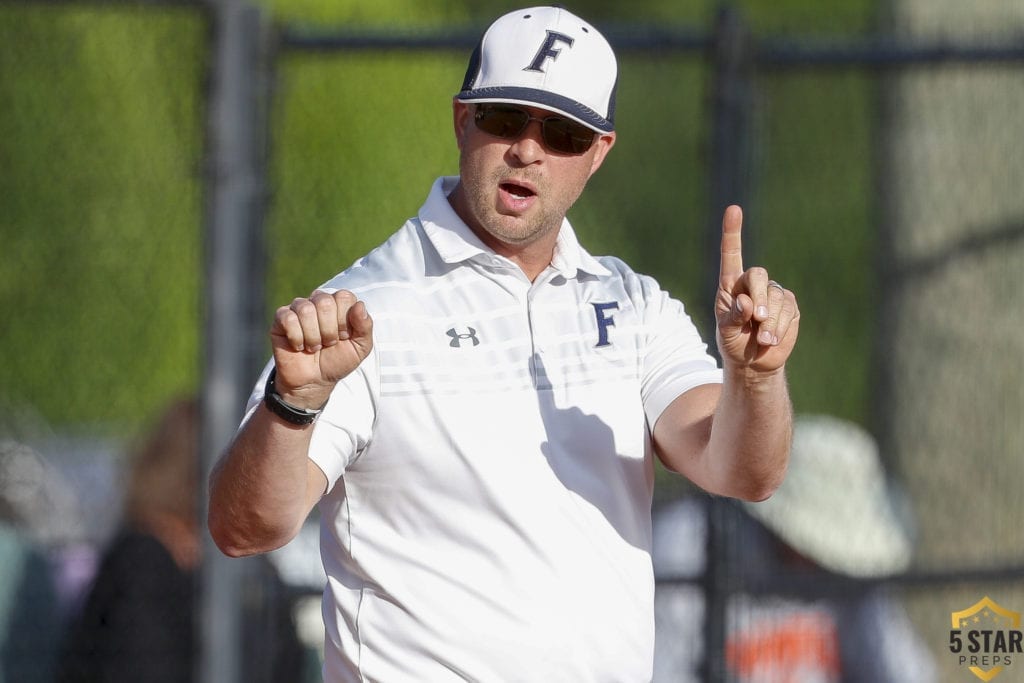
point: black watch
(286, 411)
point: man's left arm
(733, 439)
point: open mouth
(517, 191)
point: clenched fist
(317, 342)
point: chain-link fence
(948, 361)
(879, 176)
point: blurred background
(174, 171)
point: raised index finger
(731, 267)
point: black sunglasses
(559, 133)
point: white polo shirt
(489, 464)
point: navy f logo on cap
(545, 57)
(548, 50)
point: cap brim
(540, 98)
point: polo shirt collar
(570, 256)
(455, 242)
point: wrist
(290, 409)
(748, 376)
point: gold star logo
(988, 611)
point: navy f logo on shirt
(548, 51)
(604, 321)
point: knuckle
(344, 297)
(324, 304)
(286, 321)
(758, 272)
(303, 307)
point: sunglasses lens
(560, 134)
(503, 122)
(567, 136)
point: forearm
(751, 432)
(264, 486)
(734, 440)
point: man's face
(514, 192)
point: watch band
(287, 412)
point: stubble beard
(544, 217)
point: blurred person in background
(482, 449)
(138, 621)
(30, 618)
(836, 514)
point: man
(481, 448)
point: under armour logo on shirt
(548, 50)
(458, 337)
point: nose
(528, 148)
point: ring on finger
(773, 283)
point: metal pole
(235, 149)
(717, 586)
(731, 55)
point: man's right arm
(265, 485)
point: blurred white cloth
(865, 637)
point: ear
(602, 146)
(462, 117)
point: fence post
(237, 95)
(731, 132)
(731, 54)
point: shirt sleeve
(675, 358)
(345, 427)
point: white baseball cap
(545, 57)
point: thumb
(360, 327)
